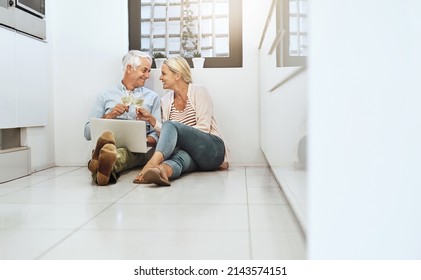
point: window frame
(235, 28)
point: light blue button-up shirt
(108, 99)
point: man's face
(139, 75)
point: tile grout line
(248, 216)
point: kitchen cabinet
(23, 80)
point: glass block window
(183, 27)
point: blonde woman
(189, 137)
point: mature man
(108, 161)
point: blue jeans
(186, 149)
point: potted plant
(159, 58)
(198, 60)
(189, 39)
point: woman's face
(168, 78)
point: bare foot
(157, 175)
(139, 178)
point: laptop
(130, 134)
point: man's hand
(118, 110)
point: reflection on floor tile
(61, 214)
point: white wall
(88, 46)
(365, 123)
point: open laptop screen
(128, 133)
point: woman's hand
(145, 115)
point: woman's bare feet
(139, 179)
(156, 159)
(157, 175)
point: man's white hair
(133, 58)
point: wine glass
(137, 102)
(127, 99)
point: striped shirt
(187, 116)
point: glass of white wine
(127, 99)
(137, 102)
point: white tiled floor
(59, 214)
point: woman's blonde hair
(178, 64)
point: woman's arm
(203, 106)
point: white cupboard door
(32, 81)
(7, 78)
